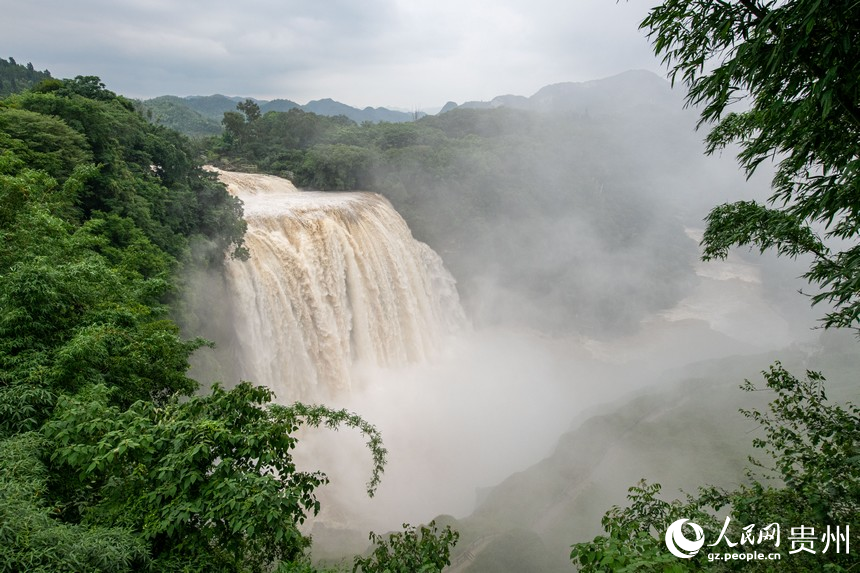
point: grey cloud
(374, 52)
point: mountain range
(201, 115)
(622, 92)
(628, 91)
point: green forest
(16, 78)
(113, 459)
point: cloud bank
(400, 53)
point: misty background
(407, 55)
(601, 349)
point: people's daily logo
(684, 539)
(677, 542)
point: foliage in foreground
(208, 480)
(814, 481)
(424, 549)
(201, 484)
(32, 539)
(795, 64)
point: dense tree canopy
(423, 549)
(143, 172)
(111, 457)
(17, 78)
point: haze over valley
(570, 221)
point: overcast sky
(396, 53)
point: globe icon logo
(678, 544)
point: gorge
(340, 304)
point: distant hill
(15, 77)
(628, 91)
(212, 106)
(372, 114)
(201, 115)
(278, 105)
(175, 113)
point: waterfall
(334, 280)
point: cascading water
(334, 280)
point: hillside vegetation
(15, 78)
(199, 116)
(111, 458)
